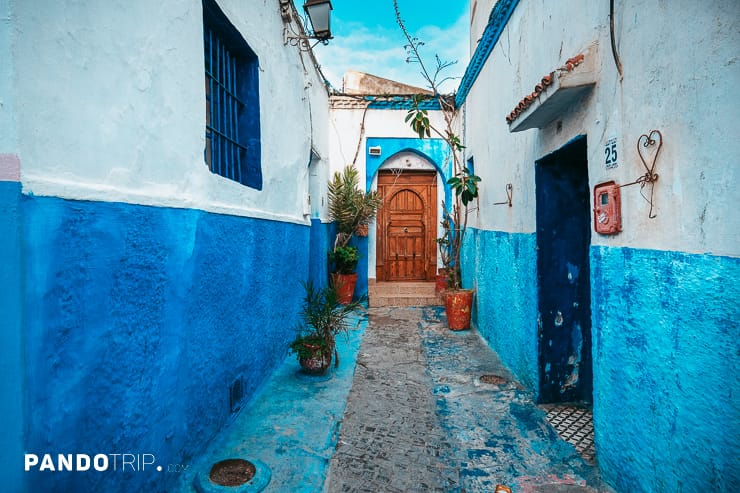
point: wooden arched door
(406, 226)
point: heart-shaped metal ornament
(648, 148)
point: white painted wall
(680, 69)
(111, 105)
(479, 12)
(8, 124)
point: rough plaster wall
(500, 156)
(658, 92)
(503, 315)
(677, 80)
(138, 320)
(8, 122)
(479, 12)
(665, 409)
(118, 112)
(11, 338)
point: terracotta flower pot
(440, 282)
(345, 286)
(318, 363)
(458, 305)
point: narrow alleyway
(434, 410)
(413, 407)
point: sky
(367, 39)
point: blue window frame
(233, 147)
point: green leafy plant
(322, 319)
(350, 207)
(464, 183)
(344, 259)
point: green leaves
(465, 185)
(349, 207)
(454, 142)
(418, 118)
(419, 122)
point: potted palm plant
(351, 209)
(322, 319)
(463, 183)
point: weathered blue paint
(502, 267)
(137, 321)
(495, 433)
(564, 298)
(665, 369)
(293, 425)
(400, 103)
(321, 243)
(500, 15)
(436, 151)
(11, 338)
(362, 244)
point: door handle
(405, 230)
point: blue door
(564, 297)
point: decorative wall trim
(496, 23)
(341, 101)
(10, 167)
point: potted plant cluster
(351, 209)
(344, 261)
(463, 183)
(322, 319)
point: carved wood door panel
(406, 250)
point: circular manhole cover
(232, 472)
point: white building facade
(156, 163)
(630, 304)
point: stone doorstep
(375, 302)
(402, 294)
(389, 288)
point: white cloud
(380, 52)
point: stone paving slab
(421, 418)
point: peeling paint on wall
(665, 363)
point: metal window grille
(233, 147)
(224, 151)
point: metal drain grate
(575, 425)
(493, 379)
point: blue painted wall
(11, 341)
(321, 242)
(502, 268)
(362, 244)
(138, 319)
(665, 354)
(666, 331)
(436, 151)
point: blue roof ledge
(497, 21)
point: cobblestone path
(433, 410)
